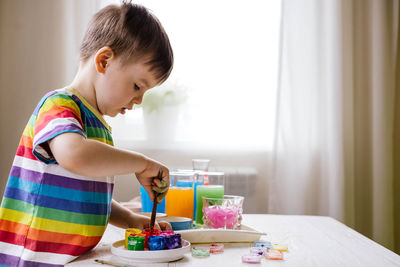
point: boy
(58, 198)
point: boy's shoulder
(62, 93)
(66, 93)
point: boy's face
(119, 87)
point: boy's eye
(137, 88)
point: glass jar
(223, 213)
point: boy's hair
(132, 32)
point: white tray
(167, 255)
(246, 234)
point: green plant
(171, 93)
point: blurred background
(296, 101)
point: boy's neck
(84, 83)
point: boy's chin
(112, 115)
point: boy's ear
(103, 58)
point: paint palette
(167, 255)
(203, 235)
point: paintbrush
(112, 263)
(154, 211)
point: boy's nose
(138, 100)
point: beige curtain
(337, 148)
(396, 143)
(39, 42)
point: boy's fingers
(157, 182)
(164, 184)
(157, 226)
(165, 181)
(161, 183)
(165, 225)
(151, 193)
(159, 189)
(160, 197)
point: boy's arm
(93, 158)
(124, 218)
(120, 216)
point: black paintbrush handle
(154, 211)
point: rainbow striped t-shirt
(48, 215)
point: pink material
(272, 254)
(216, 248)
(167, 232)
(221, 217)
(251, 258)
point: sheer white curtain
(335, 120)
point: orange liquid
(179, 202)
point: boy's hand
(148, 179)
(142, 222)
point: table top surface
(312, 241)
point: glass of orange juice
(180, 197)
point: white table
(312, 241)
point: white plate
(167, 255)
(245, 234)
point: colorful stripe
(34, 256)
(51, 191)
(41, 246)
(9, 260)
(47, 236)
(48, 215)
(88, 108)
(54, 214)
(51, 225)
(25, 152)
(61, 181)
(57, 203)
(36, 165)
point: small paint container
(262, 244)
(170, 242)
(251, 258)
(178, 240)
(280, 247)
(135, 242)
(257, 250)
(273, 254)
(167, 232)
(200, 252)
(148, 234)
(130, 231)
(216, 248)
(154, 232)
(156, 242)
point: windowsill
(188, 147)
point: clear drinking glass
(180, 196)
(223, 213)
(200, 164)
(209, 184)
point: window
(226, 65)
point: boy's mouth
(123, 111)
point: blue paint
(156, 242)
(147, 205)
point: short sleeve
(58, 114)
